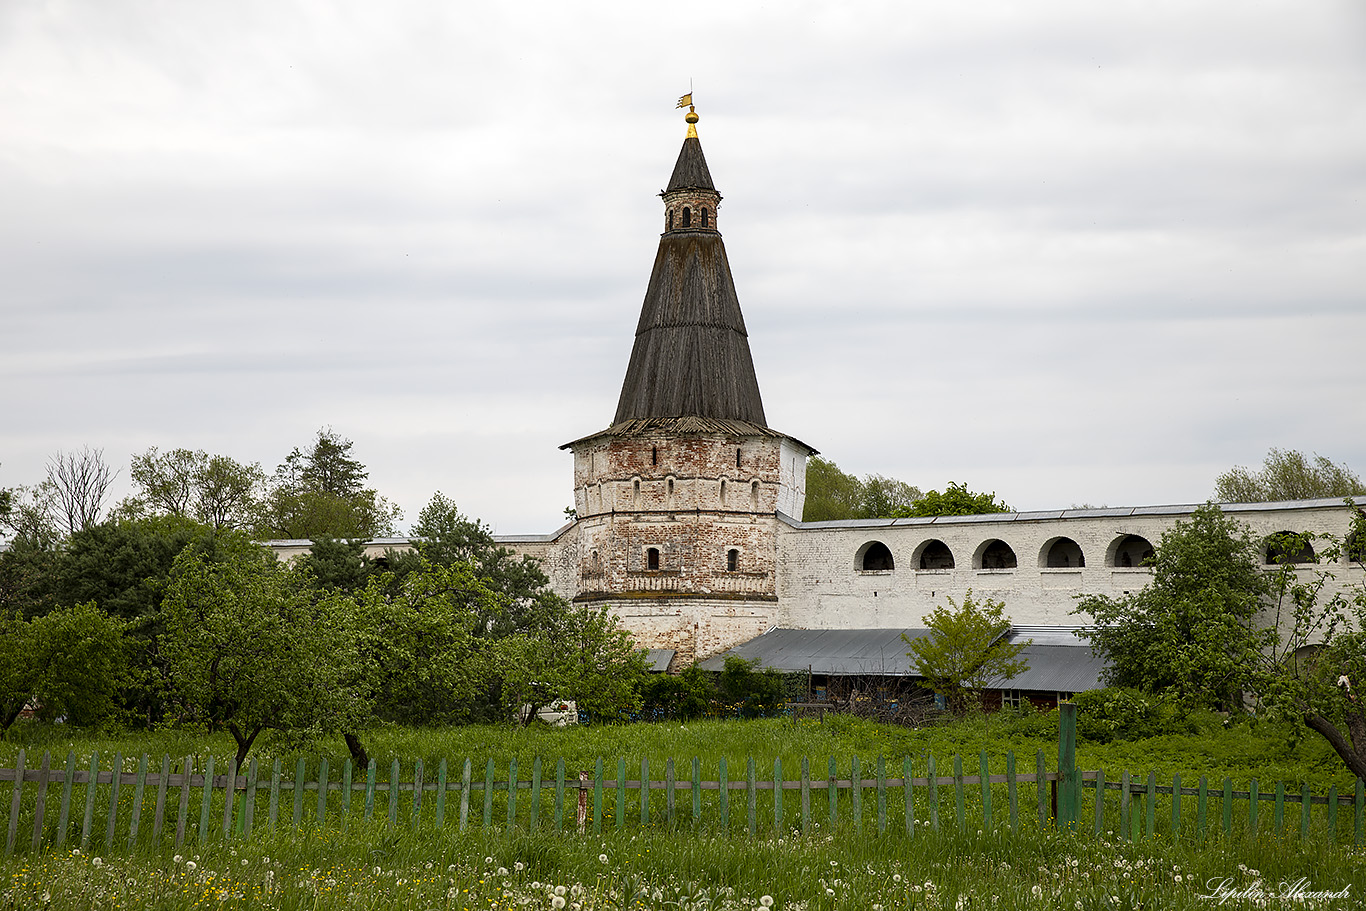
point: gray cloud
(1072, 253)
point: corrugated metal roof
(1058, 668)
(827, 651)
(657, 659)
(1058, 660)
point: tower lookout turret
(678, 499)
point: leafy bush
(681, 697)
(754, 693)
(1123, 713)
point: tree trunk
(1354, 756)
(357, 749)
(244, 741)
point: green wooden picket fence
(54, 805)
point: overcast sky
(1072, 252)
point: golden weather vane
(691, 117)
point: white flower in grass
(767, 901)
(97, 862)
(829, 892)
(191, 866)
(179, 858)
(519, 866)
(557, 902)
(602, 858)
(560, 891)
(488, 860)
(502, 871)
(896, 877)
(1036, 890)
(244, 861)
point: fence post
(40, 805)
(114, 801)
(15, 803)
(1069, 787)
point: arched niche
(874, 557)
(932, 554)
(1061, 553)
(1356, 548)
(1289, 547)
(994, 554)
(1129, 552)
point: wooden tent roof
(691, 353)
(690, 171)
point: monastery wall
(823, 582)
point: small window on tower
(732, 560)
(654, 455)
(671, 219)
(705, 222)
(652, 558)
(737, 458)
(687, 217)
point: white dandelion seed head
(602, 858)
(191, 866)
(766, 901)
(557, 902)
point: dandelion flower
(602, 858)
(97, 862)
(1036, 890)
(191, 866)
(766, 901)
(557, 902)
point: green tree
(419, 651)
(444, 536)
(337, 564)
(320, 493)
(885, 498)
(1192, 632)
(1316, 669)
(71, 663)
(830, 493)
(833, 494)
(214, 490)
(1288, 475)
(250, 646)
(29, 557)
(956, 500)
(966, 650)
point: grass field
(1270, 752)
(370, 865)
(371, 868)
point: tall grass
(371, 866)
(1241, 751)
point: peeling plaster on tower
(677, 500)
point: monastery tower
(678, 500)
